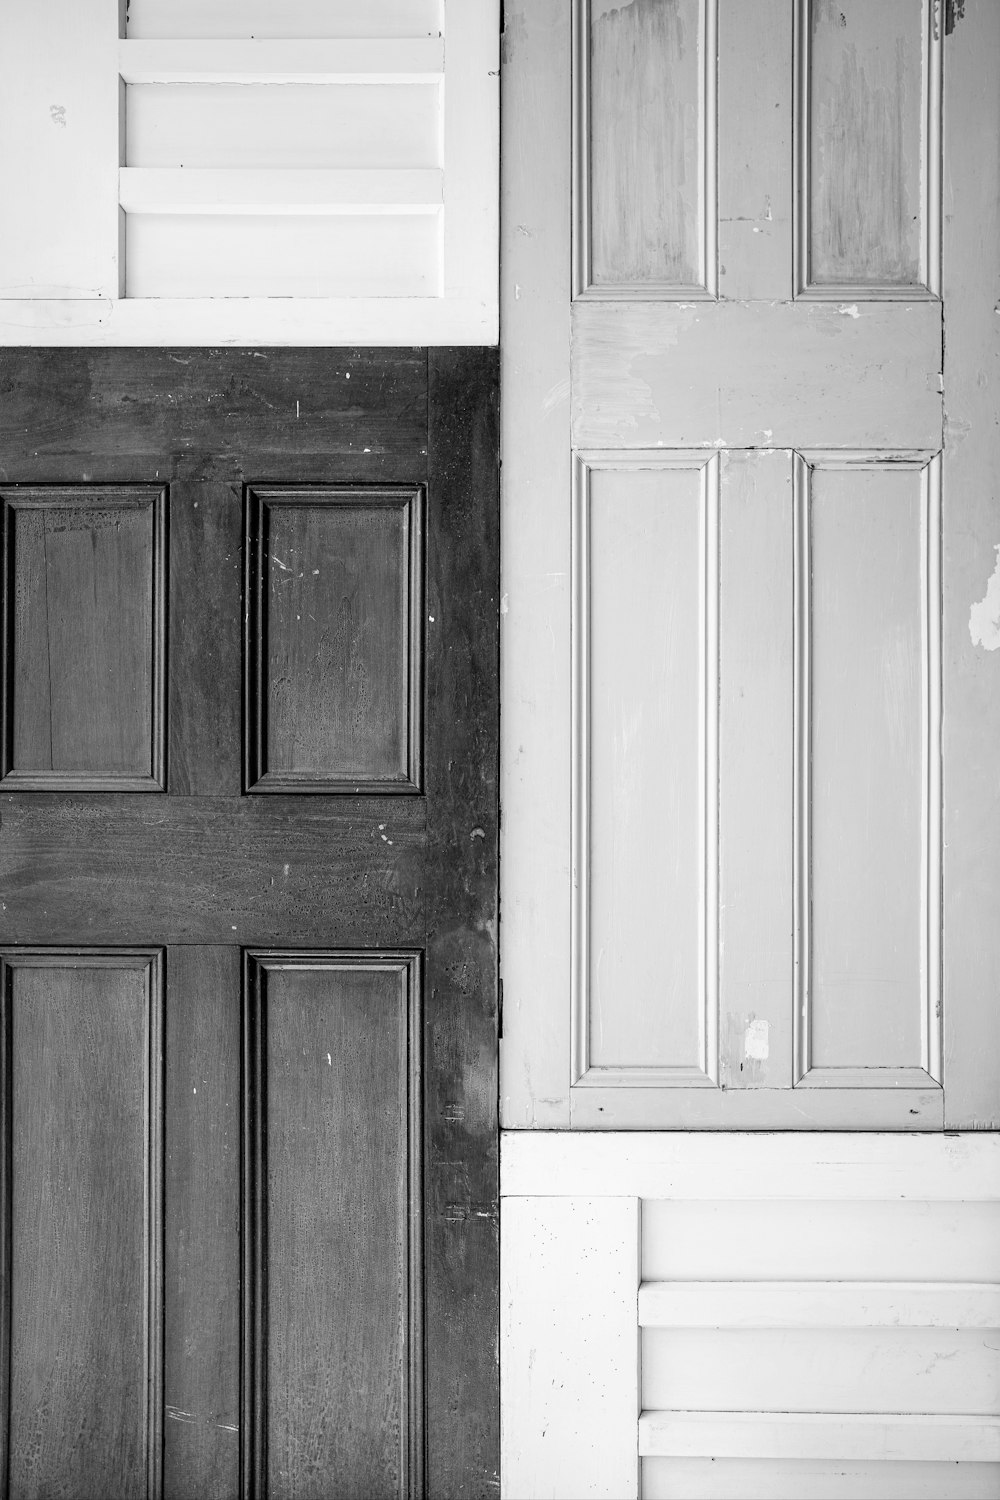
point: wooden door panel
(334, 640)
(82, 1201)
(332, 1268)
(202, 1235)
(852, 808)
(329, 1312)
(869, 147)
(84, 638)
(204, 712)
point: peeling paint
(850, 312)
(755, 1041)
(984, 617)
(954, 12)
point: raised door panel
(645, 147)
(82, 1204)
(868, 141)
(868, 887)
(332, 1268)
(646, 999)
(851, 603)
(84, 602)
(335, 587)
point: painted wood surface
(642, 139)
(795, 375)
(810, 1479)
(814, 1310)
(643, 535)
(423, 865)
(744, 1166)
(867, 136)
(162, 248)
(971, 659)
(569, 1330)
(536, 561)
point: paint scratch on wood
(984, 617)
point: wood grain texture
(213, 870)
(646, 145)
(751, 375)
(461, 985)
(203, 718)
(349, 416)
(201, 1308)
(84, 1384)
(867, 141)
(334, 640)
(971, 534)
(84, 599)
(334, 1197)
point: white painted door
(752, 700)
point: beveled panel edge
(39, 957)
(930, 1073)
(929, 289)
(257, 962)
(706, 1072)
(581, 286)
(44, 497)
(256, 498)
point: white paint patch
(984, 617)
(755, 1041)
(504, 606)
(850, 312)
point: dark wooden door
(248, 872)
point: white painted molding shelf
(250, 174)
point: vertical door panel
(82, 1382)
(333, 1241)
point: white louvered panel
(820, 1348)
(330, 168)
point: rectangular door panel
(84, 638)
(647, 545)
(332, 1243)
(81, 1376)
(868, 805)
(868, 82)
(335, 596)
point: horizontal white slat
(280, 60)
(818, 1304)
(684, 1164)
(946, 1370)
(257, 18)
(203, 322)
(264, 190)
(900, 1239)
(848, 1435)
(816, 1479)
